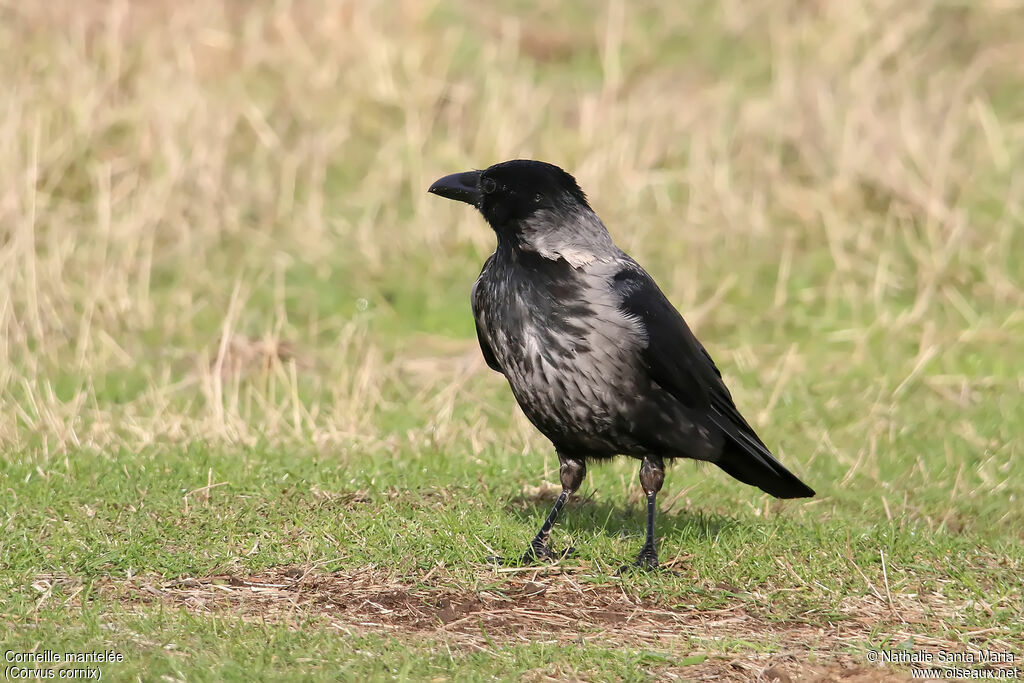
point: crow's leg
(571, 471)
(652, 476)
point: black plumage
(595, 354)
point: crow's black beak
(462, 187)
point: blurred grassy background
(219, 265)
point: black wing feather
(681, 365)
(673, 356)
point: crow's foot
(647, 560)
(535, 554)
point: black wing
(680, 365)
(673, 357)
(481, 335)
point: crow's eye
(537, 198)
(488, 185)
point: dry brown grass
(532, 605)
(166, 161)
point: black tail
(747, 458)
(758, 468)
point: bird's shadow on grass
(620, 519)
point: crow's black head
(513, 191)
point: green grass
(235, 334)
(125, 514)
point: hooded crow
(596, 356)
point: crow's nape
(764, 472)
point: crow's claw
(647, 560)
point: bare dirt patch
(556, 606)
